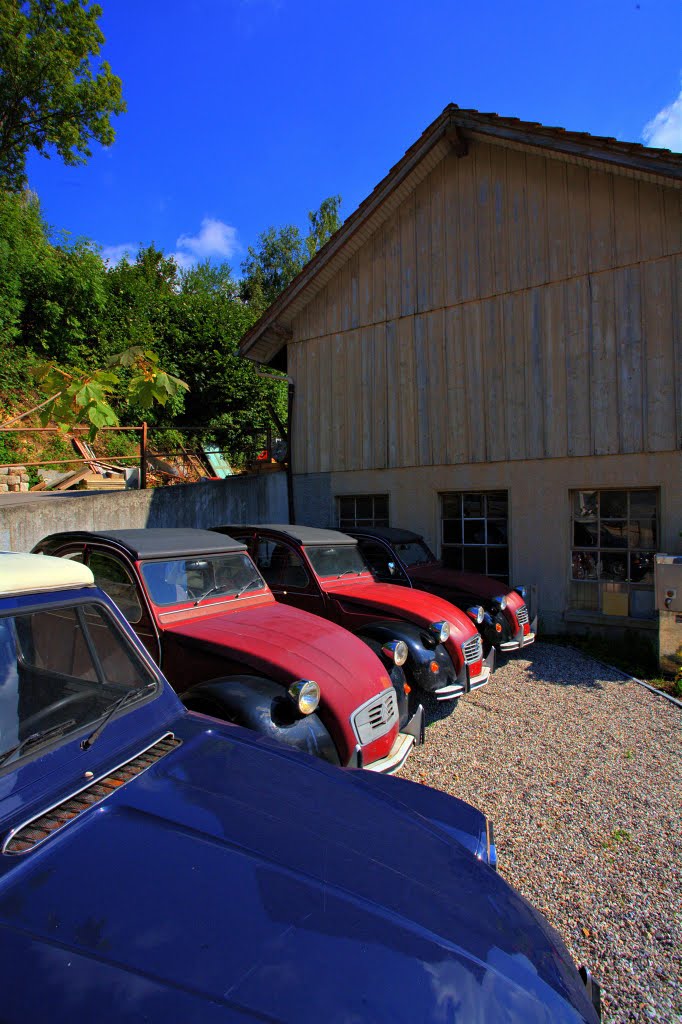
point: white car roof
(21, 573)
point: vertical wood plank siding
(514, 306)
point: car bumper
(412, 734)
(483, 677)
(508, 646)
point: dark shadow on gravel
(566, 666)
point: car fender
(460, 820)
(422, 651)
(264, 706)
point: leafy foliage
(54, 92)
(75, 397)
(281, 253)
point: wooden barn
(489, 352)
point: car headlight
(305, 694)
(440, 630)
(522, 592)
(501, 602)
(477, 613)
(396, 650)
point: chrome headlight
(501, 602)
(477, 613)
(522, 592)
(396, 650)
(441, 630)
(305, 694)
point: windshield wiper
(37, 737)
(357, 572)
(127, 697)
(251, 583)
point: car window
(62, 667)
(336, 560)
(414, 552)
(114, 579)
(281, 565)
(201, 578)
(379, 559)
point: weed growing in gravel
(619, 835)
(628, 753)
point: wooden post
(143, 457)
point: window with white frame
(474, 536)
(355, 510)
(614, 536)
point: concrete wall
(539, 508)
(26, 518)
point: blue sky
(247, 113)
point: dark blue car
(159, 866)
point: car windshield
(336, 560)
(61, 669)
(413, 553)
(201, 577)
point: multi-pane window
(475, 532)
(614, 536)
(362, 510)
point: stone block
(3, 488)
(23, 486)
(13, 479)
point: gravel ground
(580, 772)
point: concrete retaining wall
(27, 518)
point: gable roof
(451, 131)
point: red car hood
(414, 605)
(286, 643)
(435, 574)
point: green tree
(55, 93)
(281, 253)
(323, 223)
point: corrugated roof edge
(599, 148)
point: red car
(322, 571)
(207, 617)
(403, 557)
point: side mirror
(392, 568)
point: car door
(289, 577)
(116, 578)
(382, 561)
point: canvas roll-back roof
(390, 533)
(307, 535)
(160, 542)
(23, 573)
(452, 131)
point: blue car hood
(235, 881)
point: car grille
(522, 614)
(374, 719)
(472, 650)
(37, 830)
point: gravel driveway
(581, 773)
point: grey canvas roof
(306, 535)
(390, 533)
(163, 542)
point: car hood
(414, 605)
(436, 575)
(268, 886)
(288, 643)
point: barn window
(362, 510)
(474, 536)
(614, 536)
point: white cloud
(664, 131)
(113, 254)
(214, 239)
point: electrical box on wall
(668, 589)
